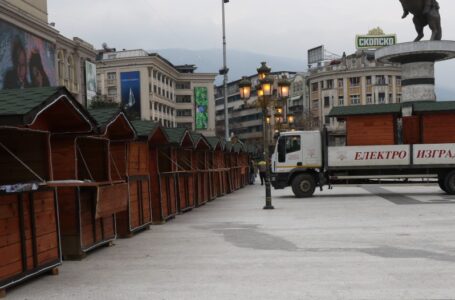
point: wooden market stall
(88, 198)
(29, 238)
(129, 162)
(30, 242)
(393, 124)
(216, 177)
(152, 138)
(181, 148)
(201, 158)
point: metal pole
(225, 73)
(268, 192)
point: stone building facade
(167, 92)
(65, 57)
(357, 79)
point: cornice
(27, 22)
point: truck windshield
(287, 145)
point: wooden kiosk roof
(52, 109)
(151, 131)
(179, 136)
(393, 108)
(113, 123)
(215, 142)
(200, 141)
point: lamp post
(224, 71)
(268, 101)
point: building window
(354, 81)
(329, 84)
(381, 97)
(369, 80)
(183, 85)
(390, 80)
(183, 99)
(156, 106)
(398, 80)
(155, 89)
(369, 99)
(315, 104)
(398, 98)
(390, 98)
(326, 101)
(112, 91)
(355, 99)
(185, 125)
(314, 87)
(340, 82)
(154, 74)
(380, 80)
(340, 100)
(111, 76)
(61, 67)
(184, 113)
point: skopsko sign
(375, 41)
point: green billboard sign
(375, 41)
(202, 105)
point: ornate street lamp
(268, 100)
(245, 88)
(263, 70)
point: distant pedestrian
(252, 171)
(262, 166)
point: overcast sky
(280, 27)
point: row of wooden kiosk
(73, 180)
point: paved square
(370, 242)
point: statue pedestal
(417, 60)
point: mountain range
(240, 63)
(244, 63)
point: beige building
(167, 92)
(356, 79)
(245, 119)
(65, 57)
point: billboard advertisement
(202, 105)
(131, 91)
(25, 60)
(316, 55)
(90, 81)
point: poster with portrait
(131, 91)
(90, 81)
(202, 104)
(25, 59)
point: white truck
(303, 160)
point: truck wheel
(442, 184)
(303, 185)
(449, 183)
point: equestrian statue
(426, 12)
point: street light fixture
(269, 102)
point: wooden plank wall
(411, 130)
(39, 229)
(370, 130)
(63, 157)
(118, 160)
(19, 142)
(138, 159)
(96, 154)
(438, 128)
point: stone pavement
(371, 242)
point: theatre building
(33, 53)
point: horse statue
(426, 12)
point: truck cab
(297, 158)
